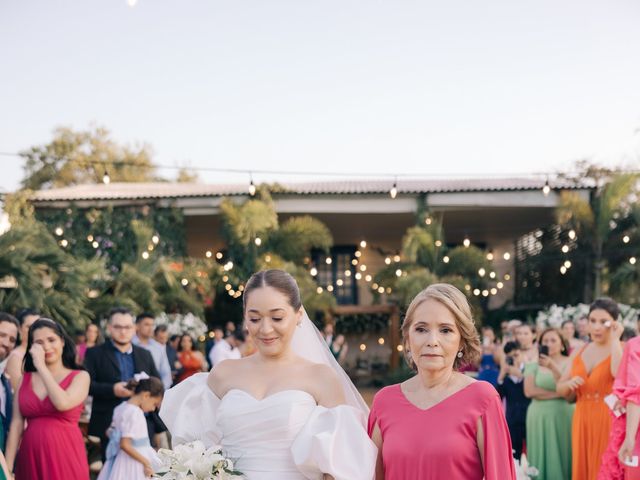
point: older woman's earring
(459, 354)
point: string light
(145, 255)
(445, 259)
(363, 347)
(354, 262)
(438, 243)
(252, 186)
(485, 293)
(155, 239)
(258, 241)
(313, 271)
(358, 254)
(546, 190)
(89, 238)
(387, 261)
(329, 288)
(347, 273)
(490, 255)
(381, 341)
(476, 291)
(567, 263)
(64, 242)
(396, 258)
(328, 261)
(59, 231)
(367, 278)
(400, 348)
(184, 282)
(506, 255)
(482, 272)
(106, 179)
(358, 275)
(466, 242)
(632, 260)
(363, 244)
(626, 239)
(394, 190)
(565, 248)
(219, 255)
(398, 273)
(363, 268)
(319, 290)
(339, 282)
(500, 285)
(428, 220)
(563, 269)
(572, 234)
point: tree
(255, 240)
(77, 157)
(37, 272)
(598, 220)
(426, 260)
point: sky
(338, 86)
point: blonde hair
(456, 302)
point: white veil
(189, 409)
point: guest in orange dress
(192, 361)
(589, 380)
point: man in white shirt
(145, 323)
(228, 347)
(9, 328)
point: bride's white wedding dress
(284, 436)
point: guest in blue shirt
(110, 366)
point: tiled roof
(160, 190)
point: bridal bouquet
(193, 461)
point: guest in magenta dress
(440, 423)
(49, 401)
(623, 436)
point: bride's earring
(459, 354)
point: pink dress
(440, 442)
(52, 447)
(626, 387)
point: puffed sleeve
(498, 457)
(127, 422)
(627, 383)
(334, 441)
(189, 411)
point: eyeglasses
(122, 327)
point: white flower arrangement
(193, 461)
(178, 324)
(556, 314)
(524, 471)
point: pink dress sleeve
(498, 456)
(373, 418)
(627, 382)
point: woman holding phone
(549, 416)
(589, 381)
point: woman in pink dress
(440, 423)
(49, 400)
(623, 436)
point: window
(338, 276)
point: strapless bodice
(258, 434)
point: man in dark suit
(111, 365)
(9, 328)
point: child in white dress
(129, 453)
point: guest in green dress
(549, 415)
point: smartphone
(544, 350)
(510, 361)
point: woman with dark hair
(93, 337)
(192, 361)
(49, 400)
(549, 415)
(589, 381)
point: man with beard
(9, 328)
(111, 365)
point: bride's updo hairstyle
(277, 279)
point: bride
(288, 412)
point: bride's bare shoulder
(326, 385)
(223, 373)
